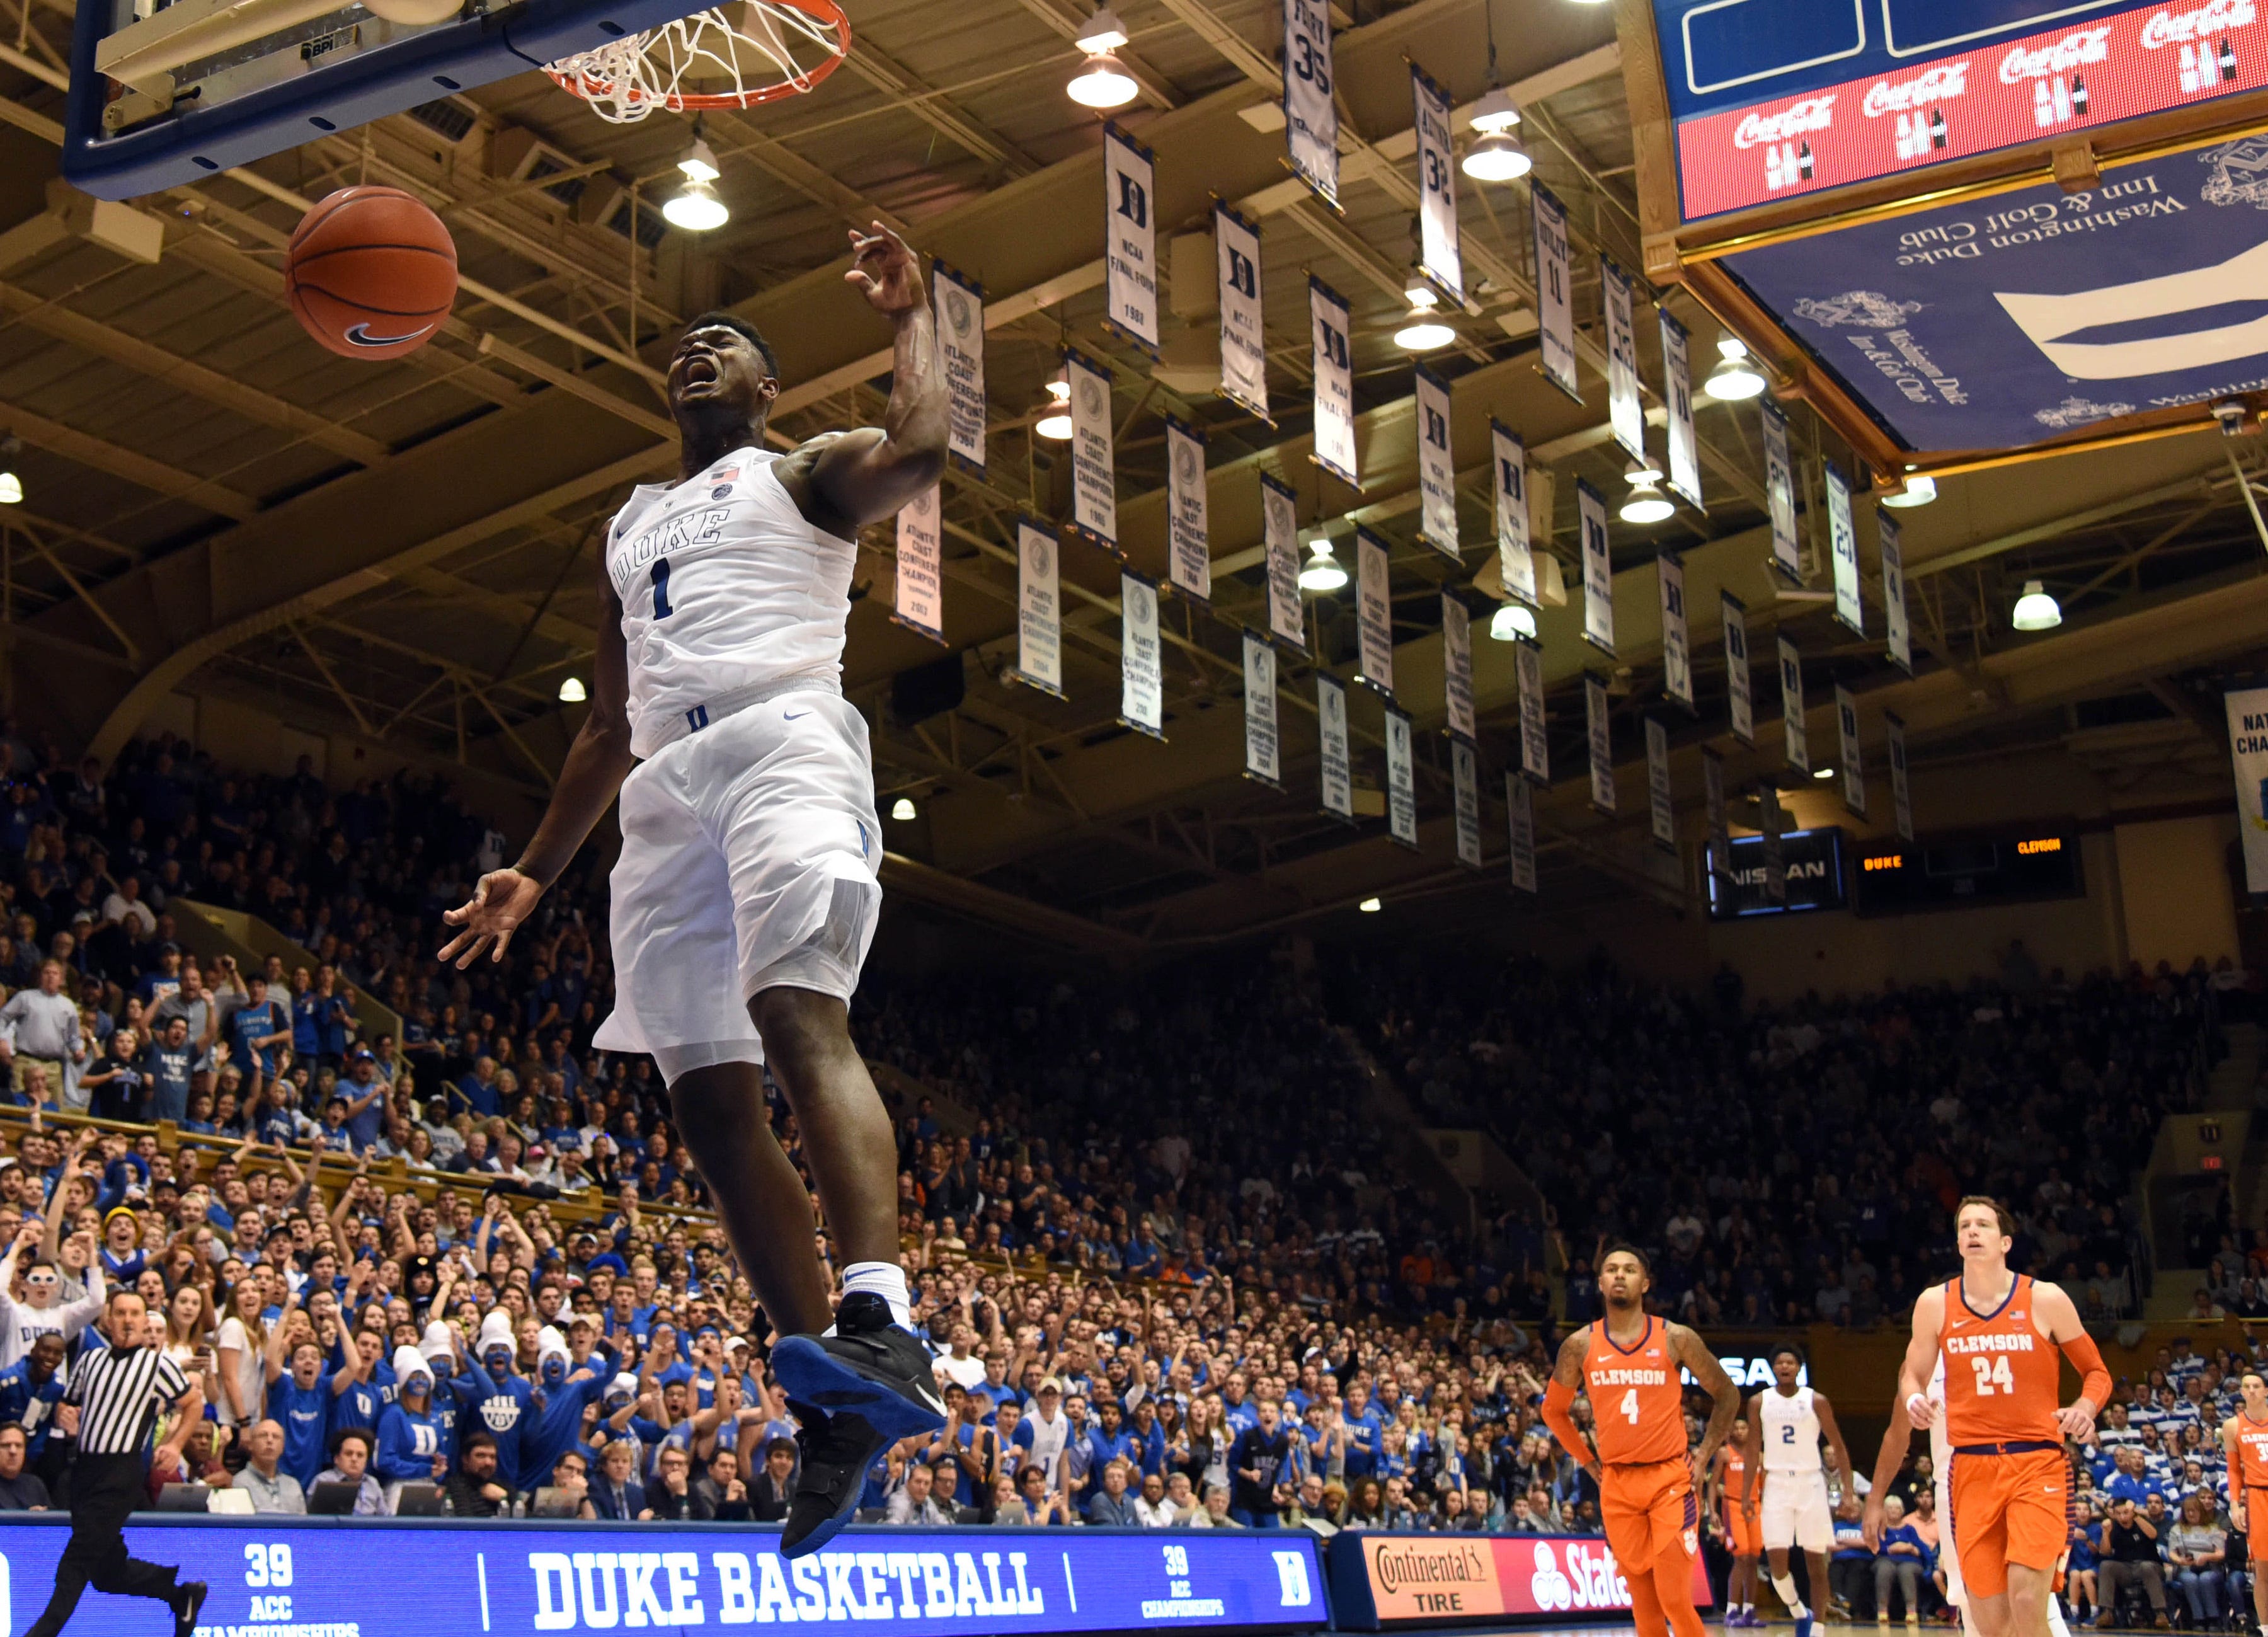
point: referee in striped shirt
(113, 1398)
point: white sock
(1785, 1585)
(886, 1279)
(2056, 1622)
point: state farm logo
(1941, 84)
(2088, 45)
(1811, 114)
(2170, 27)
(1587, 1579)
(1550, 1587)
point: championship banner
(1515, 559)
(1779, 494)
(1902, 793)
(1466, 775)
(1188, 548)
(1334, 437)
(1791, 704)
(1598, 569)
(1520, 797)
(1311, 118)
(1094, 476)
(1534, 736)
(1842, 534)
(1625, 409)
(1374, 612)
(1440, 255)
(1601, 734)
(1129, 262)
(1739, 687)
(1720, 823)
(1676, 645)
(1555, 305)
(1039, 610)
(1437, 471)
(2248, 746)
(1775, 851)
(1677, 389)
(1661, 808)
(1264, 751)
(1457, 668)
(1280, 533)
(1243, 347)
(1337, 746)
(961, 348)
(1141, 656)
(1893, 589)
(1854, 768)
(1401, 779)
(919, 598)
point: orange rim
(825, 12)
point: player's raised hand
(503, 900)
(885, 268)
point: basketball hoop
(732, 57)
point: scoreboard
(1951, 874)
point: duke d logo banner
(1333, 366)
(1243, 347)
(1598, 569)
(1514, 558)
(1436, 469)
(1130, 261)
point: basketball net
(732, 57)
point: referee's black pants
(105, 1489)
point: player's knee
(707, 1106)
(799, 1026)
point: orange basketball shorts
(2007, 1508)
(1649, 1510)
(1744, 1534)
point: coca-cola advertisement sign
(1414, 1578)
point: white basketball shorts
(1795, 1512)
(749, 854)
(1948, 1558)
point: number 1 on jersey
(1992, 1376)
(1629, 1405)
(661, 588)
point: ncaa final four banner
(1534, 736)
(1740, 694)
(1660, 799)
(1555, 300)
(1039, 610)
(1457, 668)
(1094, 475)
(1333, 366)
(1892, 541)
(1520, 798)
(1243, 343)
(1400, 779)
(1794, 731)
(1842, 534)
(1337, 746)
(1677, 391)
(1436, 469)
(1598, 569)
(1279, 535)
(1779, 495)
(1598, 722)
(1515, 556)
(1263, 750)
(960, 305)
(1129, 267)
(1676, 643)
(1901, 792)
(2248, 745)
(1853, 763)
(1311, 118)
(1625, 409)
(1374, 612)
(1440, 255)
(918, 602)
(1465, 776)
(1189, 546)
(1141, 656)
(1718, 860)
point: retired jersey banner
(1374, 612)
(1264, 751)
(1189, 546)
(1599, 721)
(1676, 642)
(1598, 569)
(1279, 532)
(1039, 610)
(1719, 859)
(1141, 656)
(1519, 798)
(1436, 469)
(1779, 495)
(1854, 767)
(1555, 301)
(1311, 117)
(919, 600)
(1093, 473)
(2248, 745)
(1902, 792)
(1893, 589)
(1400, 779)
(1130, 266)
(1465, 777)
(1334, 382)
(1775, 850)
(1842, 534)
(1457, 668)
(1625, 408)
(1797, 737)
(1535, 735)
(1677, 389)
(1660, 805)
(1243, 344)
(1515, 556)
(1440, 256)
(961, 349)
(1739, 687)
(1337, 746)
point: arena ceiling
(404, 551)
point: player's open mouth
(697, 370)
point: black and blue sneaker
(854, 1393)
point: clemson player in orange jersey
(2244, 1439)
(1744, 1535)
(1997, 1332)
(1649, 1487)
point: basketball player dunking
(1995, 1334)
(1649, 1487)
(1785, 1424)
(1727, 1483)
(746, 893)
(2244, 1440)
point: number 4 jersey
(1638, 1408)
(2000, 1373)
(724, 587)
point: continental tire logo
(1403, 1566)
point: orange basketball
(371, 272)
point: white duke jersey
(1791, 1428)
(725, 587)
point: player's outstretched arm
(1690, 1351)
(1920, 1361)
(1559, 1398)
(597, 763)
(1891, 1457)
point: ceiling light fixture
(1321, 571)
(1512, 622)
(696, 206)
(11, 487)
(1497, 157)
(2036, 610)
(1918, 490)
(1734, 380)
(1646, 503)
(572, 691)
(1370, 906)
(1055, 423)
(903, 809)
(1823, 773)
(1422, 331)
(1102, 80)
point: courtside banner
(1555, 304)
(1465, 774)
(1039, 610)
(1264, 751)
(1379, 1581)
(1334, 436)
(1337, 746)
(1401, 779)
(960, 345)
(1515, 556)
(1141, 656)
(1457, 668)
(1676, 642)
(1374, 612)
(370, 1577)
(1279, 535)
(1892, 540)
(1189, 547)
(2248, 744)
(1739, 687)
(1625, 409)
(1779, 495)
(1436, 469)
(1311, 118)
(1243, 347)
(1677, 389)
(1093, 471)
(1842, 534)
(1439, 254)
(1129, 268)
(918, 602)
